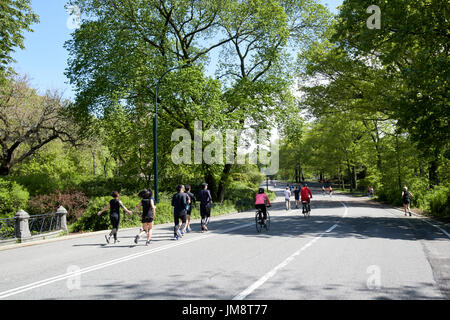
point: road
(350, 248)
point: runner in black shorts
(114, 215)
(148, 214)
(204, 196)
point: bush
(75, 202)
(437, 201)
(13, 198)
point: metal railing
(7, 228)
(44, 223)
(23, 227)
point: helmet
(261, 190)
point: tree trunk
(4, 170)
(399, 172)
(350, 175)
(433, 174)
(221, 187)
(354, 178)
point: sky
(44, 58)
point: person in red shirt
(306, 195)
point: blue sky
(44, 59)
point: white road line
(418, 217)
(103, 265)
(442, 230)
(271, 273)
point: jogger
(148, 214)
(204, 196)
(179, 203)
(114, 215)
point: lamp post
(155, 129)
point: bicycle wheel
(309, 210)
(258, 221)
(268, 221)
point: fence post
(63, 213)
(21, 228)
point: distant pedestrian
(204, 196)
(189, 209)
(287, 198)
(114, 215)
(297, 197)
(330, 190)
(406, 197)
(179, 202)
(148, 214)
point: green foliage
(13, 198)
(438, 201)
(16, 17)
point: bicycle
(306, 209)
(260, 221)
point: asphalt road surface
(350, 248)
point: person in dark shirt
(148, 214)
(406, 197)
(180, 202)
(114, 215)
(297, 196)
(189, 210)
(204, 196)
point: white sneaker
(179, 233)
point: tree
(123, 47)
(16, 16)
(29, 121)
(413, 49)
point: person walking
(148, 214)
(179, 202)
(190, 206)
(114, 215)
(287, 196)
(297, 197)
(204, 196)
(406, 197)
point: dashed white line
(271, 273)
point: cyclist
(306, 196)
(260, 204)
(330, 190)
(323, 190)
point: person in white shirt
(287, 196)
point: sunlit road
(350, 248)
